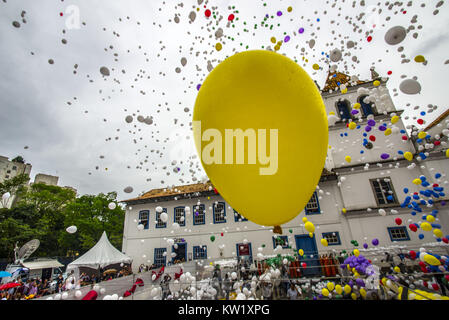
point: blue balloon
(421, 236)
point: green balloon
(212, 238)
(290, 230)
(263, 246)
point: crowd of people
(36, 287)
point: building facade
(357, 200)
(8, 170)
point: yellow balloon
(426, 226)
(430, 218)
(419, 58)
(353, 296)
(309, 226)
(408, 155)
(394, 119)
(363, 292)
(260, 96)
(397, 269)
(347, 289)
(304, 219)
(431, 260)
(301, 252)
(338, 289)
(438, 233)
(348, 158)
(376, 83)
(352, 125)
(417, 181)
(324, 242)
(316, 67)
(388, 132)
(218, 46)
(344, 210)
(345, 90)
(356, 252)
(330, 286)
(447, 153)
(289, 9)
(325, 292)
(273, 40)
(311, 234)
(422, 134)
(356, 105)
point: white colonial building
(357, 200)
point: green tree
(18, 159)
(14, 185)
(91, 215)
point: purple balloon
(382, 128)
(367, 128)
(198, 87)
(371, 123)
(354, 111)
(360, 282)
(301, 30)
(375, 242)
(365, 245)
(351, 283)
(279, 13)
(384, 156)
(287, 39)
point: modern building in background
(46, 179)
(8, 170)
(345, 207)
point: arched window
(367, 108)
(343, 107)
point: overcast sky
(74, 124)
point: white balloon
(158, 209)
(382, 212)
(114, 296)
(234, 276)
(410, 86)
(395, 35)
(112, 205)
(6, 196)
(164, 217)
(71, 229)
(140, 226)
(78, 294)
(102, 291)
(64, 296)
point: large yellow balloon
(325, 292)
(347, 289)
(431, 260)
(426, 226)
(261, 92)
(330, 286)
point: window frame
(237, 216)
(195, 223)
(373, 109)
(158, 214)
(389, 229)
(183, 223)
(284, 246)
(203, 249)
(348, 105)
(165, 258)
(224, 212)
(391, 204)
(337, 234)
(307, 212)
(148, 218)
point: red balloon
(437, 142)
(445, 240)
(412, 254)
(389, 72)
(303, 264)
(222, 234)
(231, 17)
(372, 138)
(425, 284)
(435, 286)
(398, 221)
(413, 227)
(420, 121)
(404, 138)
(422, 264)
(207, 13)
(215, 190)
(447, 277)
(369, 38)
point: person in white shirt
(292, 292)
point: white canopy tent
(100, 255)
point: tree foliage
(44, 212)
